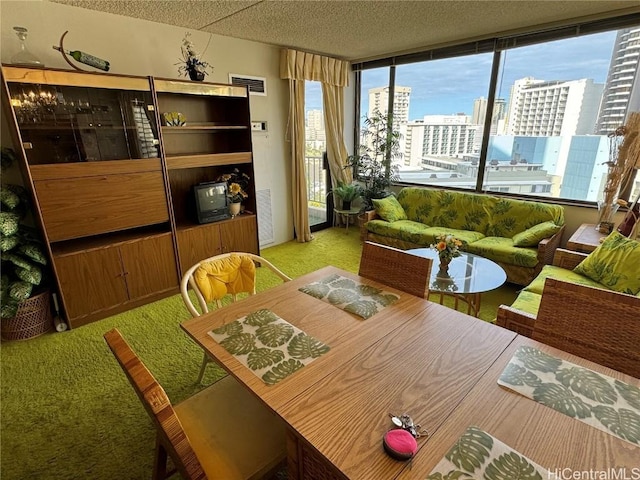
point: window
(554, 96)
(315, 146)
(560, 110)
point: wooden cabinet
(101, 279)
(112, 183)
(215, 140)
(235, 235)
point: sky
(451, 85)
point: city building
(622, 90)
(553, 108)
(379, 100)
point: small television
(211, 201)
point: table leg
(471, 299)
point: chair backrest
(396, 268)
(158, 406)
(188, 279)
(600, 325)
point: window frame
(496, 45)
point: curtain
(333, 74)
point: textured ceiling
(357, 29)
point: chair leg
(159, 462)
(205, 360)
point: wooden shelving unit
(112, 185)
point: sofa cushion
(559, 273)
(501, 249)
(509, 217)
(389, 209)
(407, 230)
(534, 235)
(465, 236)
(527, 302)
(614, 264)
(441, 208)
(420, 204)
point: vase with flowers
(448, 248)
(191, 64)
(237, 183)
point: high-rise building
(479, 111)
(622, 90)
(553, 108)
(379, 100)
(451, 135)
(315, 125)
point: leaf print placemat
(350, 295)
(267, 345)
(476, 454)
(593, 398)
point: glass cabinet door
(65, 124)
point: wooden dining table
(413, 357)
(565, 446)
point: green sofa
(486, 225)
(613, 266)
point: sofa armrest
(370, 215)
(567, 258)
(548, 246)
(516, 320)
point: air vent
(265, 222)
(257, 85)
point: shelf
(176, 162)
(184, 226)
(201, 128)
(72, 247)
(75, 127)
(90, 169)
(166, 86)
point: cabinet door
(198, 243)
(240, 235)
(78, 207)
(149, 265)
(91, 281)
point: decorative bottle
(86, 59)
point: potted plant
(25, 308)
(373, 165)
(191, 65)
(237, 183)
(347, 192)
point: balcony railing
(316, 189)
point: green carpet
(67, 410)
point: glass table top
(468, 273)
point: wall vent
(265, 222)
(257, 85)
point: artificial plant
(21, 250)
(373, 165)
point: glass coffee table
(469, 276)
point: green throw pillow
(614, 264)
(389, 209)
(532, 236)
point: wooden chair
(222, 432)
(188, 281)
(396, 268)
(522, 322)
(600, 325)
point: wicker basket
(33, 318)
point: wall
(140, 47)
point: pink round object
(399, 444)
